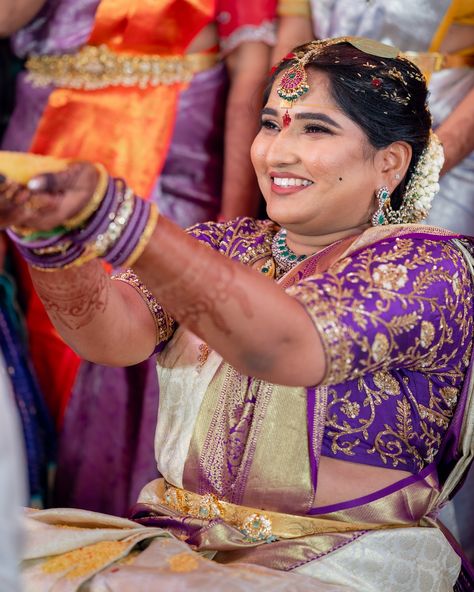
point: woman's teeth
(291, 181)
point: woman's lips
(286, 185)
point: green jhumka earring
(380, 217)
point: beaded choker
(283, 255)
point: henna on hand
(73, 296)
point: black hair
(386, 97)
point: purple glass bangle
(36, 244)
(72, 245)
(127, 242)
(56, 260)
(129, 246)
(100, 220)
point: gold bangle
(145, 237)
(129, 277)
(94, 202)
(88, 255)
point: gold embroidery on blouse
(395, 441)
(427, 334)
(252, 252)
(377, 278)
(390, 276)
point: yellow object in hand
(21, 166)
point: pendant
(293, 84)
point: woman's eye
(317, 129)
(268, 124)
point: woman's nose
(283, 149)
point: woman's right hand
(49, 199)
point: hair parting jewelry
(294, 81)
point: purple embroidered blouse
(396, 322)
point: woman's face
(318, 174)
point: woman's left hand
(47, 200)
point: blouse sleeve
(404, 303)
(239, 21)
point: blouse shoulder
(399, 303)
(245, 239)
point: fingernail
(35, 184)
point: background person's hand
(49, 199)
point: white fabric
(12, 485)
(401, 560)
(184, 376)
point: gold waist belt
(257, 525)
(430, 62)
(94, 67)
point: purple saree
(240, 457)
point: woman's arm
(293, 30)
(248, 67)
(457, 133)
(104, 321)
(294, 26)
(241, 314)
(14, 14)
(245, 317)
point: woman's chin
(283, 214)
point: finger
(12, 195)
(46, 183)
(55, 183)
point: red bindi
(286, 119)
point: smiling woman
(316, 405)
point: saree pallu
(421, 27)
(245, 499)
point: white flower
(422, 186)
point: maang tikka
(294, 82)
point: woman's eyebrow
(269, 111)
(304, 115)
(318, 116)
